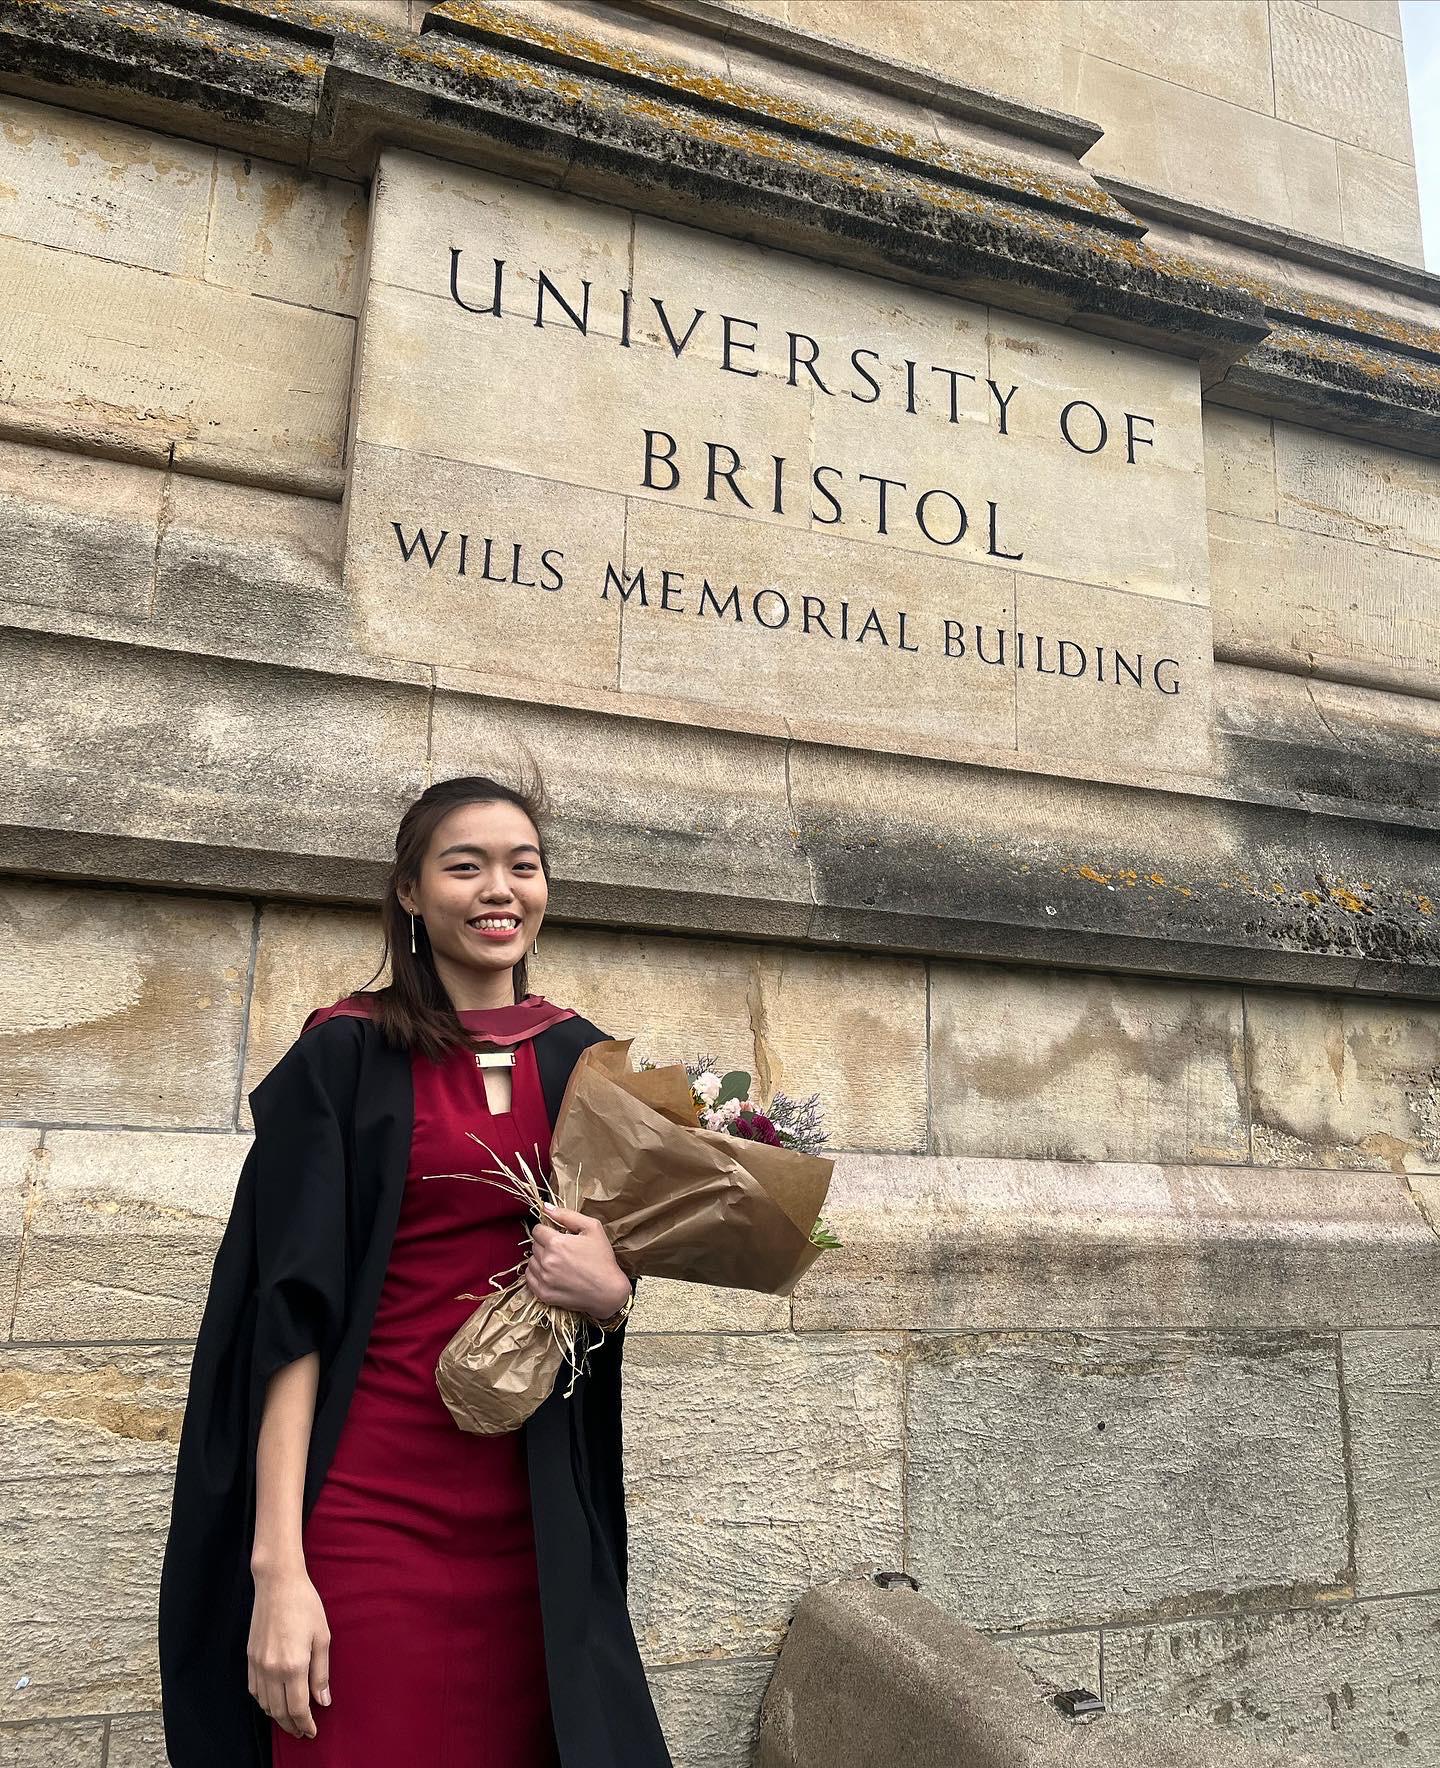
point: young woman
(351, 1580)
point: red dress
(420, 1542)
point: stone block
(424, 208)
(667, 811)
(105, 355)
(1225, 55)
(1380, 202)
(1334, 485)
(121, 1008)
(305, 958)
(123, 1232)
(1205, 150)
(207, 752)
(1376, 15)
(1239, 463)
(1061, 1065)
(1357, 1682)
(709, 1712)
(61, 1743)
(935, 1245)
(137, 1740)
(801, 622)
(1392, 1399)
(245, 571)
(1287, 599)
(278, 232)
(476, 569)
(100, 188)
(19, 1155)
(728, 1530)
(525, 399)
(1340, 79)
(1009, 46)
(1083, 1478)
(665, 1305)
(849, 1027)
(105, 1665)
(77, 533)
(83, 1549)
(91, 1411)
(1106, 671)
(1343, 1083)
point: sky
(1421, 22)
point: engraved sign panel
(594, 452)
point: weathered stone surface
(72, 1743)
(1378, 15)
(980, 1244)
(1354, 491)
(849, 1028)
(1380, 203)
(727, 1531)
(709, 1712)
(1077, 699)
(1356, 1683)
(1286, 599)
(249, 572)
(1061, 1065)
(104, 1665)
(19, 1150)
(77, 533)
(1339, 78)
(1226, 55)
(274, 231)
(305, 958)
(1239, 464)
(121, 1008)
(664, 1305)
(1087, 1477)
(137, 1740)
(801, 623)
(1341, 1083)
(206, 753)
(1205, 150)
(693, 819)
(536, 613)
(1392, 1387)
(1016, 42)
(91, 1411)
(83, 1549)
(122, 1234)
(100, 188)
(1055, 1660)
(232, 381)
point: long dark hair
(413, 1011)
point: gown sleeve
(278, 1289)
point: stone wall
(1119, 1356)
(1127, 1029)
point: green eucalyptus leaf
(735, 1085)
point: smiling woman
(390, 1587)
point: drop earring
(535, 947)
(412, 936)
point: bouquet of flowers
(729, 1206)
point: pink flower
(756, 1127)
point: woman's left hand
(573, 1265)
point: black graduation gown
(300, 1268)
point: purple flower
(755, 1127)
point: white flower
(706, 1087)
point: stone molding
(485, 86)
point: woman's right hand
(289, 1649)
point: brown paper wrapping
(676, 1201)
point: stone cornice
(487, 86)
